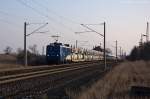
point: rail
(37, 72)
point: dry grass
(9, 66)
(117, 83)
(4, 58)
(8, 62)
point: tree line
(34, 58)
(141, 52)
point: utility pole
(25, 49)
(120, 51)
(71, 53)
(105, 45)
(102, 35)
(25, 39)
(141, 42)
(147, 32)
(43, 50)
(77, 49)
(76, 43)
(116, 51)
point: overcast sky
(125, 21)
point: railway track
(29, 80)
(40, 71)
(38, 68)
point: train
(63, 53)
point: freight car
(63, 53)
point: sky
(125, 21)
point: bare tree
(19, 50)
(8, 50)
(33, 49)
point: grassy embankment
(8, 62)
(117, 83)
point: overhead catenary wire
(37, 29)
(43, 14)
(7, 21)
(10, 15)
(56, 14)
(10, 23)
(92, 30)
(46, 16)
(38, 12)
(13, 15)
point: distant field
(4, 58)
(8, 61)
(117, 83)
(9, 66)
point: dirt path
(117, 83)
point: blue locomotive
(62, 53)
(57, 52)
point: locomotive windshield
(53, 50)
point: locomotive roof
(59, 44)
